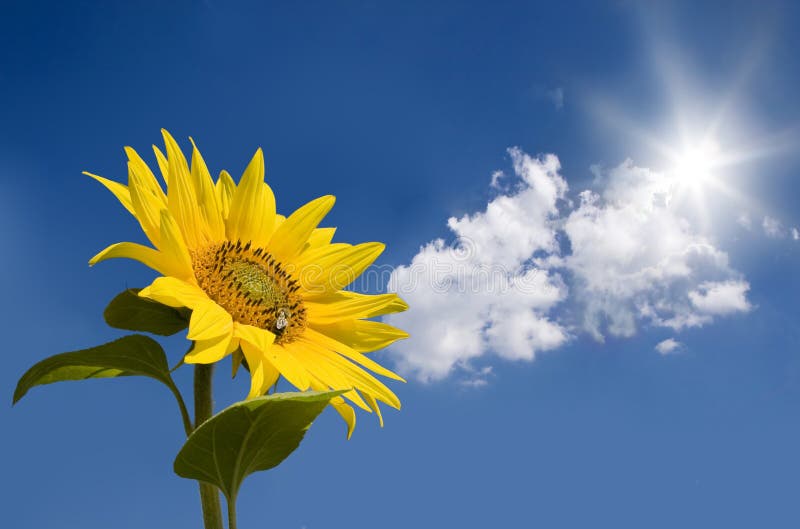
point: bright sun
(694, 165)
(702, 141)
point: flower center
(252, 287)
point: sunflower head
(264, 288)
(253, 287)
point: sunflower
(264, 288)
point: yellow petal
(129, 250)
(224, 189)
(322, 310)
(236, 359)
(118, 190)
(311, 268)
(322, 377)
(234, 345)
(291, 369)
(363, 335)
(173, 247)
(252, 211)
(276, 355)
(174, 293)
(350, 353)
(360, 379)
(261, 339)
(163, 164)
(148, 206)
(206, 197)
(147, 177)
(209, 321)
(208, 351)
(255, 361)
(291, 236)
(256, 345)
(271, 376)
(337, 266)
(347, 413)
(181, 196)
(341, 407)
(320, 237)
(374, 405)
(397, 305)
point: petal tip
(97, 258)
(399, 305)
(377, 247)
(168, 138)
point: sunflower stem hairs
(248, 283)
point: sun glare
(696, 171)
(694, 166)
(702, 140)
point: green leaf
(130, 355)
(249, 436)
(133, 313)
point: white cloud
(478, 377)
(721, 298)
(634, 258)
(483, 294)
(513, 227)
(744, 221)
(772, 227)
(496, 177)
(629, 260)
(668, 346)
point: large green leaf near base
(249, 436)
(131, 355)
(133, 313)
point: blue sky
(551, 407)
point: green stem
(232, 513)
(203, 409)
(187, 422)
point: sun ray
(706, 144)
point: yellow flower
(259, 285)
